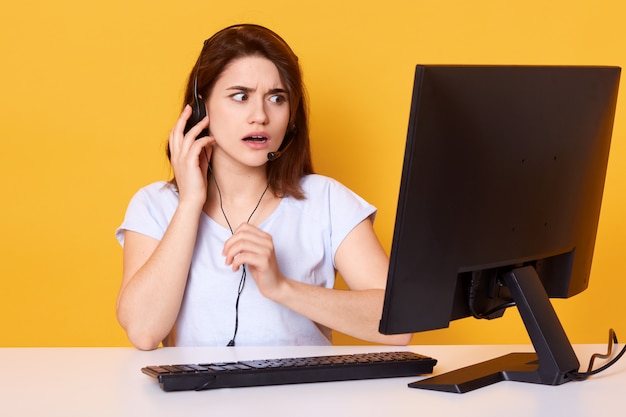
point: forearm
(155, 278)
(353, 312)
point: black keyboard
(290, 370)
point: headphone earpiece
(198, 107)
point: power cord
(581, 376)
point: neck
(236, 188)
(234, 198)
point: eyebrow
(249, 89)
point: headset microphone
(272, 156)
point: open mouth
(260, 139)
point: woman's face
(248, 110)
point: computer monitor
(499, 201)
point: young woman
(243, 245)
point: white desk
(108, 382)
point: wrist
(283, 292)
(190, 206)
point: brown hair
(244, 40)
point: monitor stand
(550, 365)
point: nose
(258, 112)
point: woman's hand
(361, 261)
(251, 246)
(190, 158)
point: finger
(197, 128)
(257, 253)
(189, 145)
(256, 260)
(189, 140)
(236, 247)
(182, 119)
(243, 236)
(178, 128)
(206, 144)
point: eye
(278, 98)
(240, 97)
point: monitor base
(553, 361)
(511, 367)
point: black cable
(242, 283)
(487, 314)
(581, 376)
(242, 280)
(574, 376)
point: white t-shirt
(306, 234)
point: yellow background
(90, 89)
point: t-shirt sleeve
(149, 211)
(347, 210)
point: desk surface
(108, 382)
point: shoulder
(315, 183)
(159, 196)
(150, 210)
(320, 187)
(160, 190)
(327, 195)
